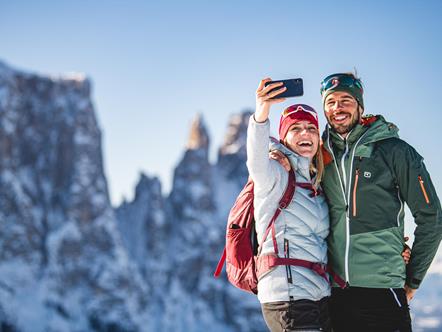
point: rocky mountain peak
(198, 136)
(59, 242)
(232, 155)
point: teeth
(305, 143)
(340, 117)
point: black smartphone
(294, 87)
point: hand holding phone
(294, 88)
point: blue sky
(154, 65)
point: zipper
(421, 181)
(347, 217)
(401, 209)
(346, 199)
(287, 267)
(354, 192)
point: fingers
(268, 97)
(266, 89)
(274, 93)
(262, 83)
(406, 254)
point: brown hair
(317, 165)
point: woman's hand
(264, 98)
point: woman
(292, 297)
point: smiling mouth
(341, 117)
(305, 143)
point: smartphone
(294, 87)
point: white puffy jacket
(304, 224)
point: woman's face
(303, 138)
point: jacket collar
(376, 128)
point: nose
(304, 132)
(336, 105)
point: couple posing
(348, 210)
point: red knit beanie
(294, 114)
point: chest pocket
(374, 198)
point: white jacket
(304, 223)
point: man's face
(342, 112)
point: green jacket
(367, 178)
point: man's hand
(406, 253)
(409, 292)
(280, 158)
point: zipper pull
(354, 191)
(421, 182)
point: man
(369, 174)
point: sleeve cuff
(413, 282)
(256, 122)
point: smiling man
(369, 174)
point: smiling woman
(288, 305)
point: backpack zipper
(423, 189)
(354, 191)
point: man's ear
(361, 110)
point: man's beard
(344, 129)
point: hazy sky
(155, 65)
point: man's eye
(312, 130)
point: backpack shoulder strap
(283, 203)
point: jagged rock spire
(232, 154)
(198, 136)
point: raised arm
(258, 164)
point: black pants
(369, 309)
(300, 315)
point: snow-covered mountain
(70, 262)
(191, 240)
(63, 266)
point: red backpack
(244, 264)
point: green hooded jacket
(368, 176)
